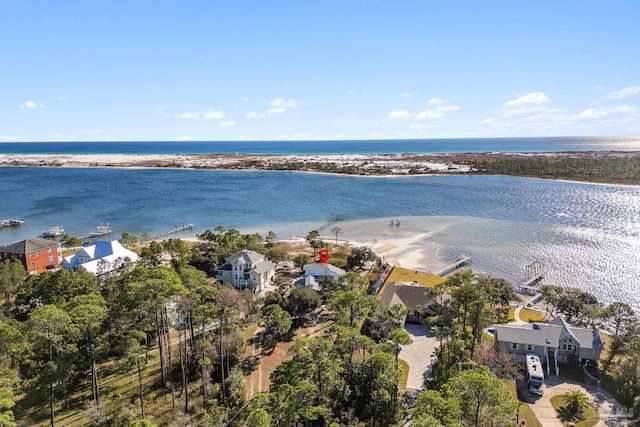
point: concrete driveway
(608, 409)
(418, 355)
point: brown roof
(27, 246)
(408, 294)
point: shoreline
(358, 165)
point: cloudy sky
(264, 70)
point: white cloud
(255, 115)
(31, 105)
(406, 95)
(622, 93)
(227, 124)
(282, 103)
(245, 99)
(62, 98)
(492, 122)
(213, 114)
(447, 108)
(530, 98)
(276, 110)
(184, 138)
(415, 126)
(598, 87)
(400, 114)
(524, 110)
(436, 113)
(435, 101)
(206, 115)
(590, 114)
(599, 113)
(429, 114)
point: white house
(323, 270)
(99, 257)
(247, 270)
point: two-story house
(247, 270)
(553, 342)
(37, 255)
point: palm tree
(575, 402)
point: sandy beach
(346, 164)
(376, 164)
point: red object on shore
(324, 256)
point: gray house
(247, 270)
(553, 342)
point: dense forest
(616, 170)
(161, 343)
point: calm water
(461, 145)
(586, 235)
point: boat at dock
(101, 230)
(11, 222)
(53, 232)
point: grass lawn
(405, 275)
(590, 416)
(404, 366)
(524, 412)
(530, 315)
(526, 314)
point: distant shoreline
(607, 167)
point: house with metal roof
(37, 255)
(553, 342)
(100, 257)
(320, 270)
(247, 270)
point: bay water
(585, 235)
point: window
(33, 264)
(529, 347)
(569, 347)
(564, 346)
(514, 346)
(570, 340)
(37, 253)
(50, 258)
(50, 250)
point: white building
(247, 270)
(99, 257)
(323, 270)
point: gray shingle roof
(541, 334)
(246, 256)
(27, 246)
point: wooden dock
(462, 262)
(531, 284)
(172, 231)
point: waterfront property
(247, 270)
(99, 257)
(553, 342)
(37, 255)
(413, 296)
(318, 270)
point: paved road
(418, 355)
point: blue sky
(262, 70)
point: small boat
(53, 232)
(101, 230)
(11, 222)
